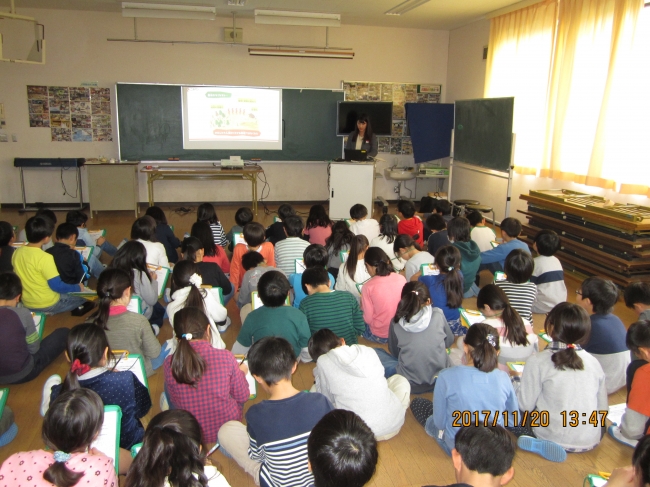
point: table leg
(81, 196)
(254, 185)
(150, 189)
(22, 187)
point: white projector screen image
(221, 117)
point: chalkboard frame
(305, 136)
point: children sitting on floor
(206, 213)
(144, 231)
(7, 237)
(406, 248)
(342, 450)
(548, 274)
(443, 207)
(275, 231)
(79, 219)
(211, 251)
(23, 355)
(458, 230)
(607, 339)
(292, 247)
(47, 213)
(68, 261)
(336, 310)
(352, 378)
(210, 273)
(482, 235)
(340, 241)
(637, 297)
(255, 266)
(274, 318)
(495, 259)
(254, 237)
(410, 224)
(164, 233)
(385, 240)
(275, 449)
(353, 271)
(243, 216)
(319, 226)
(360, 224)
(43, 288)
(438, 238)
(517, 286)
(315, 256)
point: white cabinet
(351, 183)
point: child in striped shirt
(292, 247)
(517, 286)
(206, 213)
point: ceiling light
(406, 6)
(236, 3)
(301, 53)
(168, 11)
(286, 17)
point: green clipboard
(4, 393)
(39, 322)
(162, 276)
(343, 255)
(276, 219)
(500, 276)
(97, 233)
(172, 227)
(516, 366)
(252, 383)
(108, 441)
(135, 449)
(544, 336)
(300, 266)
(348, 222)
(86, 252)
(359, 285)
(132, 362)
(429, 270)
(238, 238)
(216, 291)
(135, 305)
(595, 480)
(256, 301)
(89, 295)
(470, 317)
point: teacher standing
(362, 138)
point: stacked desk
(597, 237)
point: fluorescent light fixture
(254, 51)
(168, 11)
(406, 6)
(286, 17)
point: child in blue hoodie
(494, 260)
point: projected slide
(220, 117)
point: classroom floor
(412, 458)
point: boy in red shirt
(410, 224)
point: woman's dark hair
(414, 297)
(486, 449)
(181, 274)
(205, 213)
(285, 211)
(203, 232)
(435, 221)
(367, 135)
(273, 288)
(641, 460)
(86, 343)
(157, 214)
(519, 266)
(376, 257)
(570, 324)
(187, 365)
(388, 227)
(547, 242)
(111, 285)
(10, 285)
(293, 226)
(272, 359)
(358, 247)
(602, 293)
(37, 228)
(494, 297)
(638, 335)
(322, 342)
(358, 211)
(144, 228)
(484, 354)
(448, 257)
(6, 233)
(251, 259)
(404, 241)
(340, 238)
(71, 424)
(637, 292)
(342, 450)
(254, 234)
(189, 247)
(243, 216)
(172, 449)
(315, 255)
(130, 257)
(459, 229)
(318, 217)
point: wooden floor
(410, 459)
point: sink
(399, 173)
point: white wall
(77, 51)
(466, 80)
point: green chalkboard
(483, 132)
(150, 126)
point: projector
(234, 161)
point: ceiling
(436, 14)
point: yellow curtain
(597, 97)
(518, 64)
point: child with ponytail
(173, 453)
(446, 288)
(210, 273)
(406, 248)
(418, 337)
(207, 382)
(560, 379)
(70, 426)
(518, 340)
(187, 292)
(353, 271)
(89, 356)
(380, 295)
(476, 387)
(132, 259)
(125, 329)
